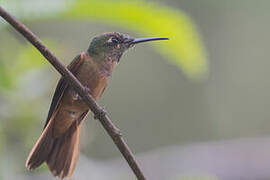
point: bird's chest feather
(90, 77)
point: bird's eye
(114, 40)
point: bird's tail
(59, 153)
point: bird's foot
(77, 97)
(87, 90)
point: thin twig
(98, 111)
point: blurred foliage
(14, 65)
(184, 49)
(14, 102)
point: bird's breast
(89, 75)
(72, 106)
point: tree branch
(98, 111)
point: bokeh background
(195, 107)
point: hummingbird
(58, 144)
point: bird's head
(111, 46)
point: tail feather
(41, 149)
(60, 153)
(66, 149)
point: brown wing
(62, 85)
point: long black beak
(130, 42)
(140, 40)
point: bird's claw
(78, 97)
(87, 90)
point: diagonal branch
(98, 111)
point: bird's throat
(107, 66)
(105, 62)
